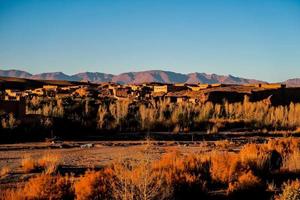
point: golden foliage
(43, 186)
(246, 182)
(49, 162)
(29, 164)
(290, 191)
(174, 175)
(4, 171)
(94, 185)
(223, 167)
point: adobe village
(105, 106)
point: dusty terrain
(78, 156)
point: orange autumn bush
(260, 158)
(285, 146)
(245, 185)
(94, 185)
(224, 166)
(46, 186)
(174, 176)
(29, 164)
(185, 176)
(290, 191)
(49, 163)
(43, 186)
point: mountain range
(139, 77)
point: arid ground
(76, 157)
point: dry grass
(4, 171)
(184, 177)
(223, 167)
(292, 162)
(290, 191)
(43, 186)
(245, 183)
(223, 144)
(174, 176)
(94, 185)
(29, 164)
(164, 116)
(49, 162)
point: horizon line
(212, 73)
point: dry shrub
(10, 194)
(49, 162)
(46, 186)
(43, 186)
(185, 177)
(246, 184)
(290, 191)
(136, 179)
(224, 166)
(223, 144)
(4, 171)
(130, 179)
(289, 148)
(285, 146)
(94, 185)
(29, 164)
(260, 159)
(292, 162)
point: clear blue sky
(249, 38)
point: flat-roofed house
(13, 94)
(194, 87)
(161, 88)
(50, 87)
(38, 92)
(273, 86)
(85, 92)
(267, 85)
(168, 88)
(204, 86)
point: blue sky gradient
(249, 38)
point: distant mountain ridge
(295, 82)
(134, 77)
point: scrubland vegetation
(145, 116)
(257, 171)
(55, 115)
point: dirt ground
(77, 157)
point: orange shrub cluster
(94, 185)
(174, 176)
(184, 176)
(48, 162)
(43, 186)
(245, 185)
(290, 190)
(29, 164)
(223, 166)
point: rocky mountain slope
(133, 77)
